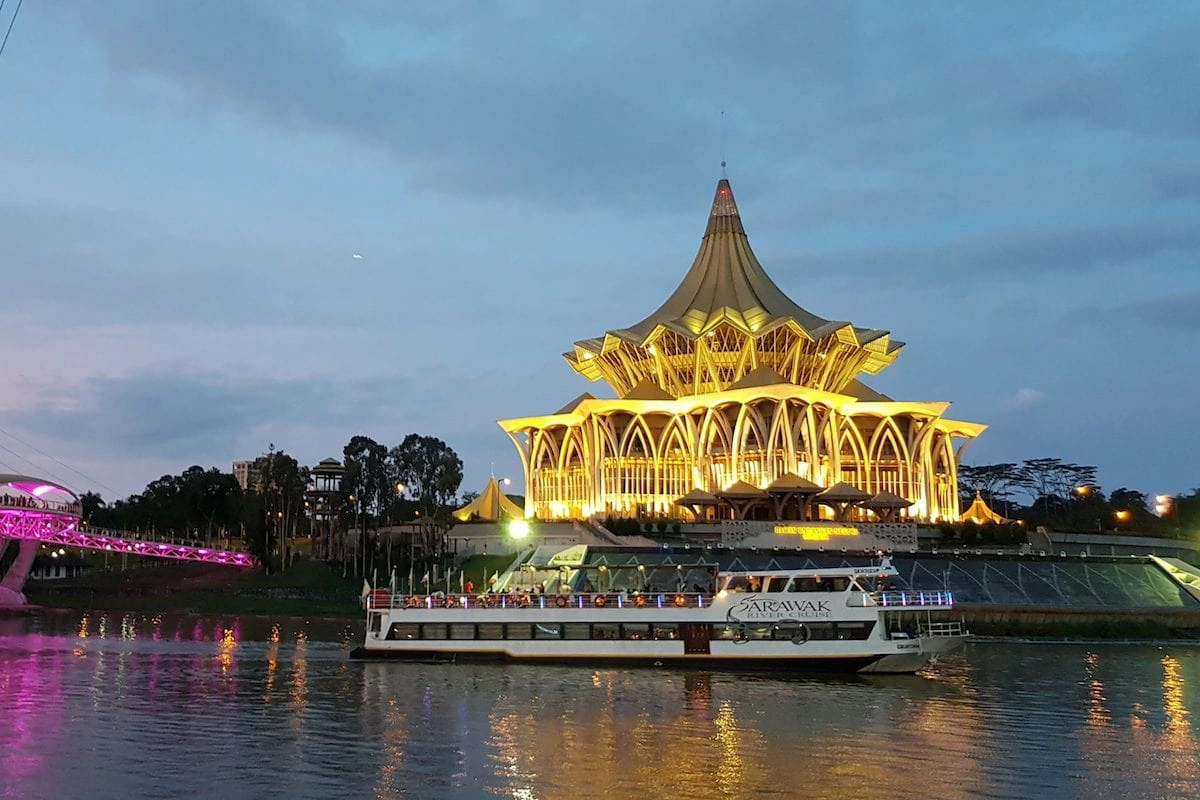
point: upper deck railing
(902, 599)
(383, 599)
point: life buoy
(598, 601)
(640, 600)
(680, 601)
(561, 601)
(449, 602)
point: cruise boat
(841, 619)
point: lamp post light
(1122, 515)
(1164, 504)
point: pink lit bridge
(34, 511)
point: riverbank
(306, 589)
(1082, 624)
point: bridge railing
(34, 504)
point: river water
(122, 706)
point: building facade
(730, 382)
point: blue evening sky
(1011, 188)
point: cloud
(1016, 252)
(199, 415)
(1173, 309)
(1023, 399)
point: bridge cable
(10, 24)
(38, 450)
(35, 465)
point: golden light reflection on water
(225, 647)
(389, 784)
(1179, 747)
(298, 691)
(1098, 713)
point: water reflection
(275, 703)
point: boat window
(433, 630)
(517, 630)
(547, 630)
(839, 631)
(819, 584)
(776, 583)
(577, 630)
(737, 583)
(462, 630)
(606, 630)
(639, 630)
(788, 631)
(741, 632)
(853, 630)
(491, 630)
(404, 631)
(664, 632)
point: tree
(367, 477)
(429, 469)
(431, 473)
(1051, 482)
(995, 483)
(90, 502)
(282, 484)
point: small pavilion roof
(697, 497)
(741, 489)
(791, 483)
(842, 492)
(886, 500)
(491, 505)
(979, 513)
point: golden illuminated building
(731, 386)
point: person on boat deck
(470, 587)
(753, 583)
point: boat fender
(680, 601)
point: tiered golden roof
(725, 320)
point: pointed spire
(724, 217)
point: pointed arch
(574, 475)
(890, 460)
(749, 444)
(717, 471)
(853, 461)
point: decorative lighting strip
(63, 529)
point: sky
(1011, 188)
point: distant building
(243, 473)
(732, 400)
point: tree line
(1067, 496)
(416, 480)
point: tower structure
(731, 383)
